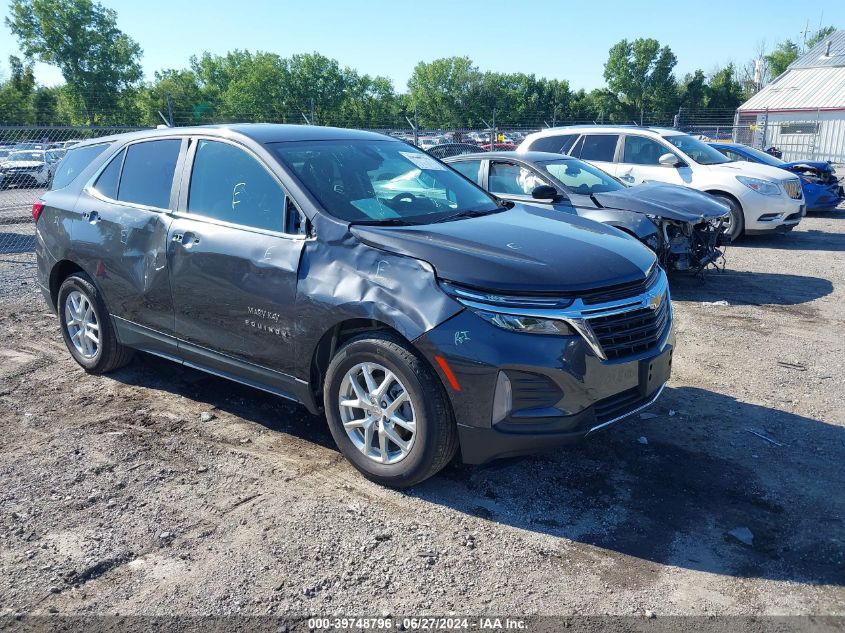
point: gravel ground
(160, 490)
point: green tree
(818, 36)
(16, 106)
(81, 38)
(724, 91)
(186, 98)
(639, 74)
(779, 59)
(447, 92)
(693, 91)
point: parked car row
(369, 281)
(760, 198)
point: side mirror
(544, 192)
(670, 160)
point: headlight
(760, 186)
(528, 325)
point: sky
(553, 39)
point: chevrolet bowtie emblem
(655, 302)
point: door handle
(91, 216)
(185, 239)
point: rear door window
(599, 147)
(147, 175)
(74, 162)
(639, 150)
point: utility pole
(313, 118)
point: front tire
(87, 328)
(737, 218)
(387, 411)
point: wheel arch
(61, 271)
(333, 338)
(725, 194)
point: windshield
(579, 177)
(26, 156)
(697, 150)
(763, 157)
(381, 181)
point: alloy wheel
(377, 413)
(83, 328)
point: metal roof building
(803, 110)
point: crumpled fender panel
(665, 200)
(341, 278)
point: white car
(761, 198)
(27, 168)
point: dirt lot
(117, 495)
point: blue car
(822, 190)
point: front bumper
(561, 391)
(771, 214)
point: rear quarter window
(557, 144)
(74, 162)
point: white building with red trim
(802, 112)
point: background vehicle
(499, 147)
(27, 168)
(761, 198)
(821, 187)
(682, 226)
(452, 149)
(417, 321)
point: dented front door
(234, 290)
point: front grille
(793, 189)
(612, 407)
(621, 291)
(631, 332)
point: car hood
(21, 163)
(752, 170)
(521, 250)
(803, 165)
(673, 202)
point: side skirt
(147, 340)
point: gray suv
(359, 276)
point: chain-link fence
(28, 159)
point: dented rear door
(120, 231)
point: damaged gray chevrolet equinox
(357, 275)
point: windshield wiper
(387, 222)
(469, 213)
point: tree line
(104, 84)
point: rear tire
(87, 327)
(737, 226)
(389, 375)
